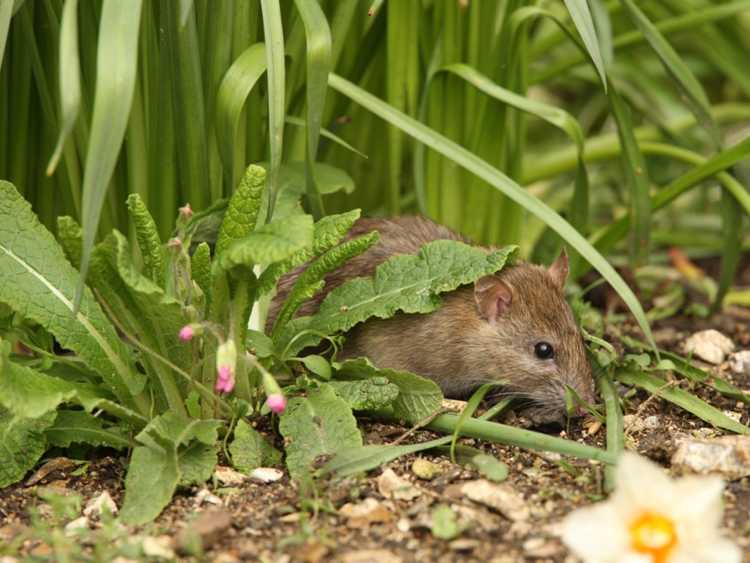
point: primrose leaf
(197, 462)
(38, 282)
(490, 467)
(318, 365)
(273, 242)
(242, 211)
(22, 443)
(319, 424)
(418, 397)
(445, 523)
(327, 233)
(408, 283)
(148, 239)
(200, 268)
(367, 394)
(70, 237)
(250, 450)
(81, 427)
(328, 179)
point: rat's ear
(492, 296)
(559, 269)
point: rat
(513, 327)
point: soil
(270, 522)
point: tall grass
(616, 115)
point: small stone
(463, 544)
(367, 512)
(203, 532)
(540, 547)
(159, 548)
(392, 486)
(61, 464)
(228, 476)
(403, 525)
(709, 345)
(728, 456)
(488, 521)
(370, 556)
(74, 526)
(225, 558)
(425, 469)
(8, 559)
(265, 475)
(204, 496)
(593, 427)
(652, 422)
(98, 504)
(739, 362)
(500, 497)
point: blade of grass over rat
(500, 182)
(468, 411)
(615, 429)
(666, 390)
(635, 171)
(581, 16)
(318, 36)
(6, 12)
(676, 68)
(235, 87)
(70, 78)
(116, 64)
(274, 34)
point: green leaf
(316, 425)
(445, 523)
(500, 182)
(39, 283)
(200, 268)
(197, 463)
(296, 121)
(148, 239)
(69, 78)
(70, 237)
(468, 411)
(22, 443)
(317, 365)
(273, 242)
(408, 283)
(249, 449)
(615, 424)
(6, 12)
(80, 427)
(367, 394)
(490, 467)
(328, 179)
(418, 397)
(663, 389)
(259, 344)
(581, 16)
(242, 211)
(116, 64)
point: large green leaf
(242, 211)
(80, 427)
(319, 424)
(250, 450)
(37, 281)
(22, 443)
(408, 283)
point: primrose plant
(157, 357)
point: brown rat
(514, 326)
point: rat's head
(535, 343)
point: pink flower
(276, 402)
(186, 212)
(224, 379)
(174, 243)
(187, 333)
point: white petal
(697, 506)
(641, 485)
(596, 534)
(719, 550)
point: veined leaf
(80, 427)
(22, 442)
(70, 236)
(242, 212)
(366, 394)
(403, 283)
(148, 239)
(200, 268)
(37, 281)
(273, 242)
(250, 450)
(117, 58)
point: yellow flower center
(653, 534)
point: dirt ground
(270, 522)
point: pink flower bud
(174, 243)
(276, 402)
(226, 360)
(224, 379)
(186, 212)
(187, 333)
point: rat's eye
(544, 350)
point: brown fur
(470, 340)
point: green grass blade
(274, 35)
(700, 408)
(731, 223)
(318, 36)
(6, 12)
(500, 182)
(70, 78)
(297, 122)
(115, 82)
(468, 411)
(615, 427)
(581, 16)
(235, 87)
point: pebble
(463, 544)
(370, 556)
(709, 345)
(204, 496)
(501, 497)
(74, 526)
(728, 456)
(540, 547)
(160, 547)
(363, 514)
(392, 486)
(97, 504)
(228, 476)
(425, 469)
(266, 475)
(739, 362)
(204, 530)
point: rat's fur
(483, 332)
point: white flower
(651, 518)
